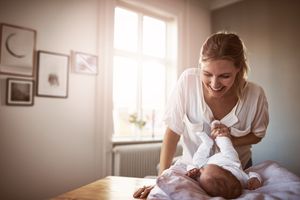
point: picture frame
(19, 92)
(84, 63)
(52, 74)
(17, 50)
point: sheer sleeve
(261, 119)
(175, 108)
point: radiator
(137, 160)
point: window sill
(124, 141)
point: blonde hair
(227, 46)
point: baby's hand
(193, 173)
(253, 183)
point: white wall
(270, 30)
(48, 148)
(60, 144)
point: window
(144, 70)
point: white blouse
(187, 113)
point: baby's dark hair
(213, 186)
(233, 193)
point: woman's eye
(225, 76)
(208, 75)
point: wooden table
(108, 188)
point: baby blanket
(279, 183)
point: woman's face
(218, 77)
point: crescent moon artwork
(9, 49)
(17, 48)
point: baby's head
(217, 181)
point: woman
(217, 90)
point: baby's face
(217, 181)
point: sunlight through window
(126, 30)
(141, 74)
(154, 37)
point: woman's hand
(143, 192)
(220, 130)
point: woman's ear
(238, 69)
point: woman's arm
(245, 140)
(168, 149)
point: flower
(140, 123)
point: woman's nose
(214, 82)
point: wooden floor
(108, 188)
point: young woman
(216, 90)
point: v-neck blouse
(187, 113)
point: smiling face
(218, 77)
(226, 46)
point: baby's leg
(227, 149)
(203, 152)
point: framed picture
(17, 50)
(19, 92)
(52, 74)
(84, 63)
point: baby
(221, 174)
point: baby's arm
(254, 181)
